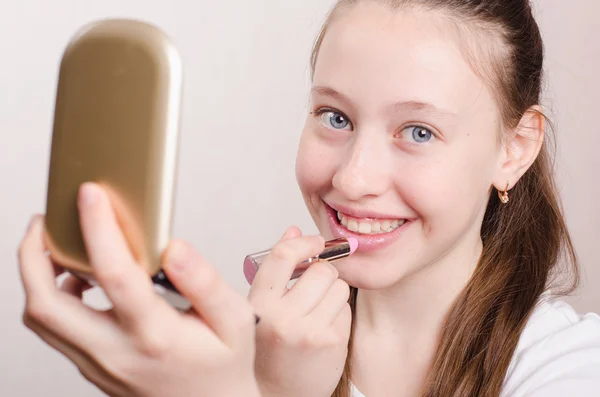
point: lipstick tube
(334, 250)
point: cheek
(314, 165)
(429, 188)
(449, 188)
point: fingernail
(177, 256)
(88, 193)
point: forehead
(378, 56)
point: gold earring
(503, 196)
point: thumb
(290, 233)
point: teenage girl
(426, 142)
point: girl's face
(401, 146)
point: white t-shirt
(558, 354)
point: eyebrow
(419, 106)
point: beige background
(245, 99)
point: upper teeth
(375, 226)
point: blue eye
(335, 120)
(419, 134)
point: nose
(365, 169)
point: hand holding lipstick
(302, 339)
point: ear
(521, 147)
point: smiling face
(401, 146)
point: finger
(45, 305)
(227, 312)
(335, 300)
(270, 282)
(38, 273)
(250, 269)
(310, 289)
(125, 283)
(343, 322)
(290, 233)
(36, 269)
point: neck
(397, 330)
(413, 311)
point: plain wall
(245, 99)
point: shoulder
(354, 392)
(558, 353)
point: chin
(368, 274)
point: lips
(367, 242)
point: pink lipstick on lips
(334, 250)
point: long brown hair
(524, 242)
